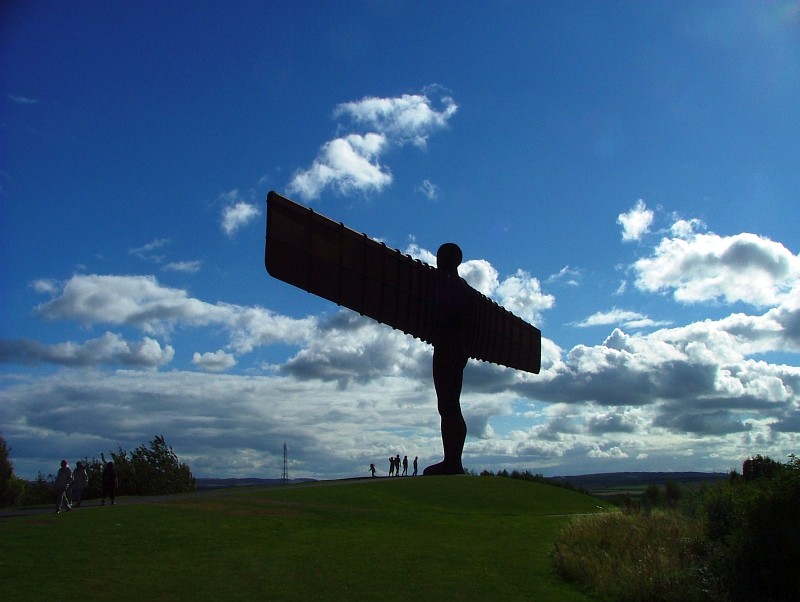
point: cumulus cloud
(407, 118)
(348, 165)
(142, 302)
(237, 212)
(636, 222)
(695, 394)
(108, 349)
(216, 361)
(709, 267)
(349, 348)
(352, 162)
(522, 295)
(695, 378)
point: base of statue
(443, 468)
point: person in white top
(63, 481)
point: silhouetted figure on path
(110, 483)
(391, 466)
(79, 481)
(405, 466)
(63, 481)
(416, 461)
(372, 469)
(397, 465)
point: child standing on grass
(63, 480)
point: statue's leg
(448, 376)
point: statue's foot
(443, 468)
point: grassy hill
(450, 538)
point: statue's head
(448, 258)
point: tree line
(152, 469)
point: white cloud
(108, 349)
(216, 361)
(567, 275)
(480, 275)
(429, 190)
(708, 267)
(347, 164)
(613, 316)
(408, 118)
(238, 214)
(636, 222)
(643, 396)
(627, 318)
(682, 228)
(351, 163)
(237, 211)
(188, 267)
(153, 253)
(142, 302)
(522, 295)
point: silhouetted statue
(435, 305)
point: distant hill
(203, 484)
(589, 482)
(608, 480)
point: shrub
(39, 492)
(753, 524)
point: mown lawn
(449, 538)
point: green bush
(740, 541)
(753, 525)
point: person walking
(405, 466)
(391, 466)
(372, 469)
(110, 483)
(416, 462)
(80, 479)
(63, 480)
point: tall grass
(635, 556)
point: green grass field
(447, 538)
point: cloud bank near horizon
(699, 391)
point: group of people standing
(70, 485)
(394, 466)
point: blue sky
(624, 175)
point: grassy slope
(464, 538)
